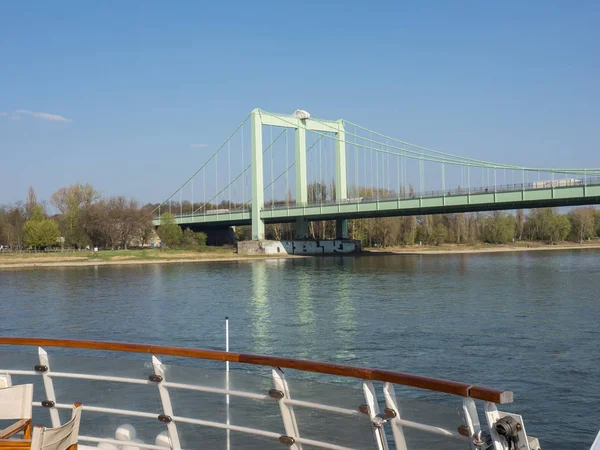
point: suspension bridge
(277, 168)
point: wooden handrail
(10, 431)
(13, 444)
(432, 384)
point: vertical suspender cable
(388, 165)
(356, 182)
(482, 176)
(377, 172)
(398, 175)
(469, 178)
(321, 170)
(421, 181)
(372, 173)
(243, 174)
(382, 188)
(443, 180)
(217, 182)
(229, 172)
(365, 171)
(403, 189)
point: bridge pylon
(260, 118)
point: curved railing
(167, 381)
(431, 384)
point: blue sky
(122, 94)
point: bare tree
(31, 202)
(520, 224)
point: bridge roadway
(479, 199)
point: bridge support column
(301, 229)
(341, 228)
(258, 200)
(301, 188)
(341, 188)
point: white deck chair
(60, 438)
(15, 404)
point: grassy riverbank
(9, 260)
(484, 248)
(109, 257)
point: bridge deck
(482, 200)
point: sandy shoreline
(66, 263)
(499, 249)
(119, 260)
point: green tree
(39, 231)
(188, 240)
(12, 221)
(243, 233)
(440, 234)
(73, 203)
(408, 230)
(499, 228)
(200, 238)
(560, 228)
(544, 224)
(582, 223)
(168, 231)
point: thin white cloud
(3, 114)
(198, 145)
(39, 115)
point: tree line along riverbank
(78, 217)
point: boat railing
(336, 417)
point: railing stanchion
(49, 387)
(492, 416)
(470, 410)
(165, 399)
(378, 431)
(287, 411)
(227, 383)
(391, 403)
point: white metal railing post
(371, 399)
(49, 387)
(470, 410)
(227, 383)
(165, 399)
(287, 411)
(492, 416)
(391, 402)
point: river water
(525, 321)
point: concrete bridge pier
(301, 228)
(341, 228)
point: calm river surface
(528, 322)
